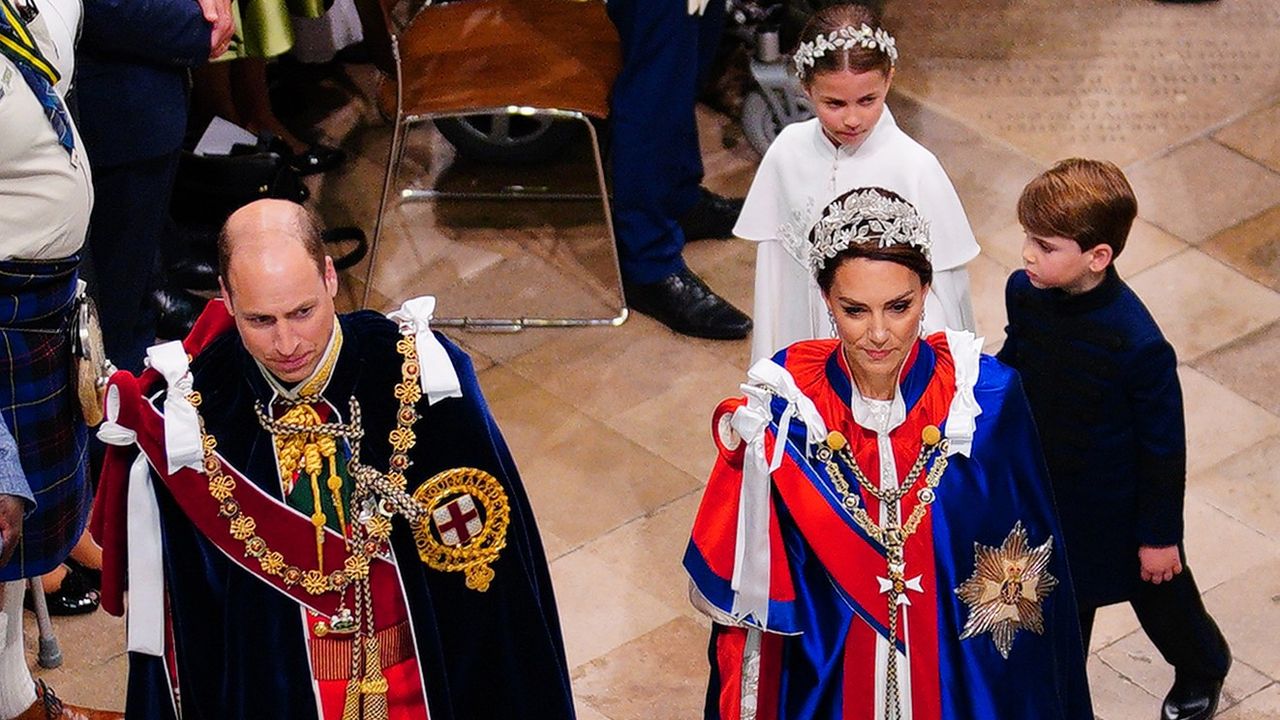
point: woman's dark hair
(909, 256)
(856, 59)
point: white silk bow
(181, 424)
(751, 563)
(438, 377)
(966, 353)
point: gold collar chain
(838, 446)
(379, 495)
(892, 535)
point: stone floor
(610, 425)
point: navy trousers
(657, 164)
(131, 205)
(1173, 616)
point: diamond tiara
(845, 38)
(864, 215)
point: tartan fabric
(39, 406)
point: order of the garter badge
(1006, 592)
(464, 527)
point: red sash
(852, 558)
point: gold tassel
(373, 688)
(335, 481)
(351, 705)
(311, 455)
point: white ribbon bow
(751, 557)
(698, 7)
(181, 424)
(438, 377)
(110, 431)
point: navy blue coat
(132, 76)
(490, 655)
(1103, 386)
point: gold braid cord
(459, 517)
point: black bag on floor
(208, 188)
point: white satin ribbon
(698, 7)
(181, 424)
(966, 353)
(750, 581)
(438, 377)
(110, 431)
(751, 555)
(775, 378)
(145, 624)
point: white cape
(800, 174)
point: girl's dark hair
(908, 256)
(856, 59)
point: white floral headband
(845, 38)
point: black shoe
(317, 158)
(684, 303)
(342, 236)
(75, 597)
(1191, 700)
(93, 576)
(178, 310)
(712, 217)
(193, 274)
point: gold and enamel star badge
(1006, 592)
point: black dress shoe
(194, 274)
(712, 217)
(336, 239)
(178, 310)
(93, 576)
(317, 158)
(1191, 700)
(684, 303)
(75, 597)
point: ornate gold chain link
(367, 688)
(892, 535)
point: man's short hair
(1088, 201)
(307, 230)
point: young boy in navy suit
(1103, 386)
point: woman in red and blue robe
(894, 556)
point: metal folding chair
(541, 58)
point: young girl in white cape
(845, 61)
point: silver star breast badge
(1006, 592)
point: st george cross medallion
(465, 526)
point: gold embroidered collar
(319, 378)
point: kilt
(39, 405)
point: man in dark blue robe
(323, 486)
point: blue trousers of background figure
(131, 204)
(657, 164)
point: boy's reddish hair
(1088, 201)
